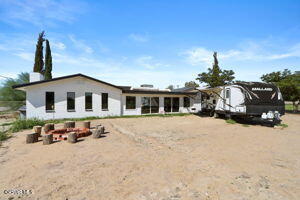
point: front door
(146, 105)
(175, 104)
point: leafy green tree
(215, 76)
(170, 87)
(275, 77)
(38, 60)
(191, 84)
(288, 83)
(10, 97)
(48, 62)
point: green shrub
(282, 125)
(230, 121)
(22, 124)
(4, 135)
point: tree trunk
(47, 139)
(72, 137)
(31, 138)
(87, 124)
(69, 124)
(294, 106)
(38, 130)
(48, 127)
(96, 133)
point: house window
(167, 104)
(88, 101)
(186, 102)
(104, 101)
(49, 101)
(154, 104)
(71, 101)
(171, 104)
(175, 104)
(130, 102)
(146, 105)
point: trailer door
(227, 99)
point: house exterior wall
(35, 101)
(195, 105)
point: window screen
(130, 102)
(186, 102)
(50, 101)
(104, 101)
(88, 101)
(70, 100)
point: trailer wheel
(227, 116)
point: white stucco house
(78, 95)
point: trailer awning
(211, 91)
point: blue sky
(158, 42)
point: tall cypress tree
(215, 76)
(216, 72)
(38, 60)
(48, 62)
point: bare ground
(161, 159)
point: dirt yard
(159, 159)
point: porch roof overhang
(157, 92)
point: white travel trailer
(259, 101)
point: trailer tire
(227, 116)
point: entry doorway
(150, 105)
(171, 104)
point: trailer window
(227, 93)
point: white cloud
(58, 45)
(138, 37)
(198, 55)
(148, 62)
(251, 51)
(79, 44)
(41, 12)
(25, 55)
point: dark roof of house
(64, 77)
(183, 89)
(140, 91)
(125, 87)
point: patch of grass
(6, 124)
(4, 135)
(289, 107)
(230, 121)
(22, 124)
(245, 125)
(282, 125)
